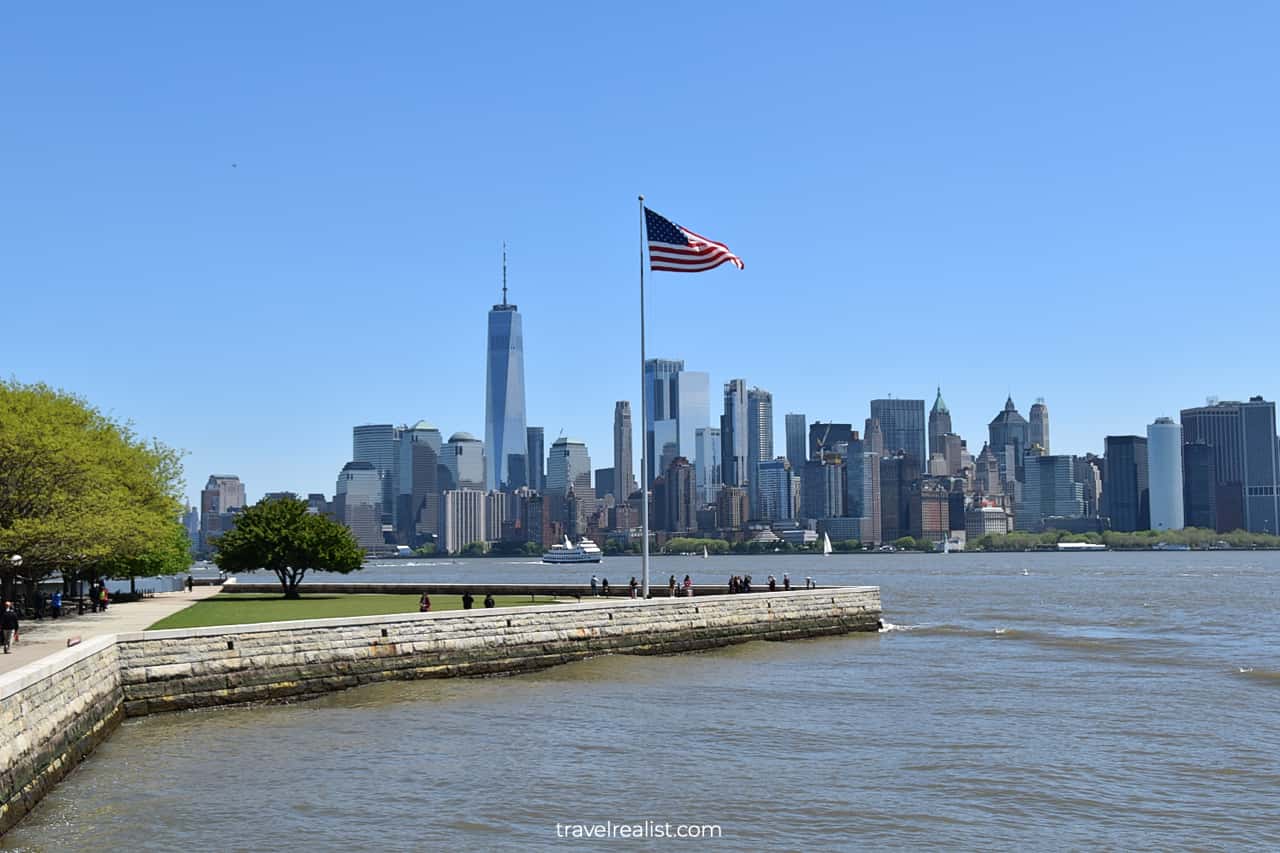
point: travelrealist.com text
(643, 829)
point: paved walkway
(39, 638)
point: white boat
(585, 551)
(826, 544)
(704, 552)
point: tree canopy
(80, 491)
(281, 536)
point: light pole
(16, 562)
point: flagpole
(644, 426)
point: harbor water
(1033, 701)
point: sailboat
(826, 544)
(704, 552)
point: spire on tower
(504, 272)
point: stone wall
(52, 714)
(55, 711)
(192, 668)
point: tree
(79, 492)
(282, 537)
(167, 555)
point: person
(635, 584)
(688, 586)
(42, 604)
(604, 587)
(424, 603)
(786, 581)
(733, 584)
(103, 598)
(595, 586)
(191, 583)
(467, 600)
(93, 597)
(9, 625)
(671, 587)
(746, 583)
(488, 600)
(808, 583)
(55, 604)
(773, 584)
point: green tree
(474, 549)
(282, 537)
(169, 554)
(79, 492)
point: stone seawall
(52, 714)
(60, 708)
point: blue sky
(1078, 203)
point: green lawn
(242, 608)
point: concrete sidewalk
(39, 638)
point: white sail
(704, 552)
(826, 545)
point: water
(1101, 700)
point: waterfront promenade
(38, 638)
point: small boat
(585, 551)
(704, 552)
(826, 544)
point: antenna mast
(504, 272)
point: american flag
(676, 249)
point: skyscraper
(708, 465)
(862, 495)
(774, 491)
(379, 445)
(536, 458)
(221, 498)
(826, 437)
(1199, 486)
(760, 442)
(1243, 436)
(1050, 491)
(504, 412)
(733, 433)
(418, 504)
(1126, 489)
(661, 429)
(463, 518)
(623, 473)
(569, 472)
(797, 452)
(897, 473)
(1008, 437)
(939, 425)
(464, 460)
(874, 437)
(358, 499)
(903, 425)
(692, 410)
(1164, 473)
(1038, 425)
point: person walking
(688, 586)
(55, 604)
(9, 625)
(595, 586)
(191, 583)
(103, 598)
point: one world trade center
(504, 416)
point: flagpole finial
(642, 197)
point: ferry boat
(585, 551)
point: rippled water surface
(1034, 701)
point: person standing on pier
(8, 625)
(671, 587)
(467, 600)
(634, 585)
(595, 586)
(688, 586)
(488, 600)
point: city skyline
(218, 233)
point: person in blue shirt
(55, 604)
